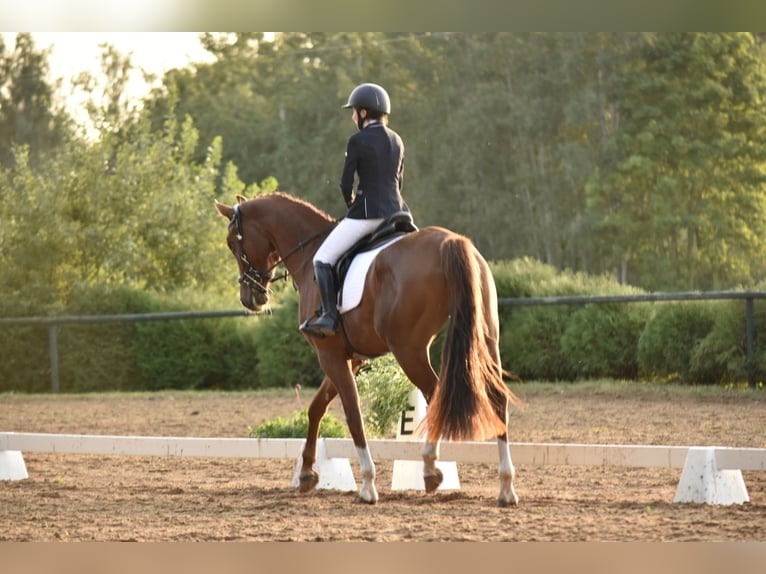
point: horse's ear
(241, 198)
(224, 210)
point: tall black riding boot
(328, 296)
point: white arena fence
(710, 474)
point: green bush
(131, 356)
(530, 336)
(530, 342)
(670, 339)
(720, 357)
(538, 342)
(99, 356)
(383, 391)
(196, 354)
(296, 426)
(216, 353)
(524, 277)
(694, 342)
(284, 356)
(92, 356)
(601, 340)
(24, 359)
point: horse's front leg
(432, 476)
(368, 493)
(507, 473)
(341, 373)
(308, 477)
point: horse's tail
(471, 397)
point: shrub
(671, 337)
(720, 357)
(214, 353)
(532, 338)
(383, 391)
(99, 356)
(601, 340)
(530, 342)
(92, 356)
(285, 359)
(24, 358)
(525, 277)
(196, 354)
(296, 426)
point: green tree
(681, 205)
(588, 151)
(28, 113)
(106, 101)
(277, 103)
(135, 212)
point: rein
(252, 277)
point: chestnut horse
(411, 290)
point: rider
(376, 154)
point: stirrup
(316, 327)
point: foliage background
(577, 162)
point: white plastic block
(334, 473)
(408, 474)
(702, 481)
(12, 465)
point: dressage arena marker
(408, 474)
(710, 474)
(334, 473)
(707, 478)
(12, 465)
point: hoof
(433, 481)
(362, 500)
(505, 503)
(307, 482)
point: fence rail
(54, 322)
(748, 296)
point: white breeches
(345, 234)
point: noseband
(252, 277)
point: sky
(75, 52)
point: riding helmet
(370, 96)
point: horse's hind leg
(416, 365)
(308, 478)
(507, 473)
(506, 470)
(432, 476)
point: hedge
(694, 342)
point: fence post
(54, 356)
(750, 333)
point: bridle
(255, 278)
(250, 276)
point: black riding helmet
(372, 97)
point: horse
(412, 289)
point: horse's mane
(295, 200)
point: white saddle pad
(353, 285)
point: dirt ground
(123, 498)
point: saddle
(400, 223)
